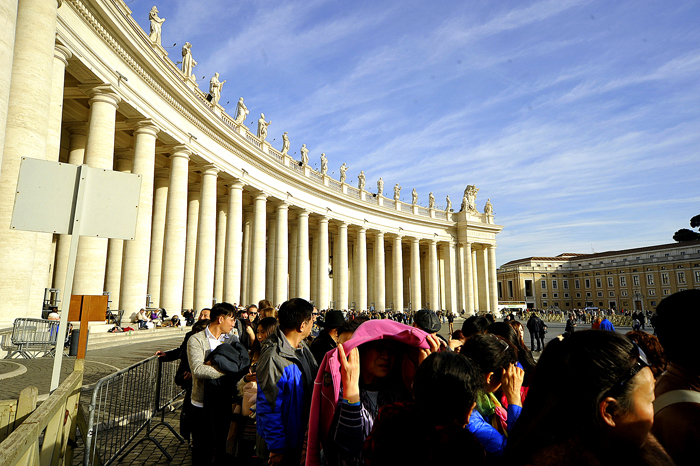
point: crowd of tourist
(373, 388)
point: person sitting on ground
(490, 422)
(474, 325)
(677, 405)
(590, 403)
(143, 319)
(328, 337)
(431, 430)
(374, 368)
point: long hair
(490, 353)
(507, 332)
(574, 374)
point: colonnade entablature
(223, 215)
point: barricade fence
(123, 406)
(33, 337)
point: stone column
(398, 274)
(415, 274)
(293, 259)
(379, 273)
(484, 288)
(460, 277)
(271, 256)
(475, 279)
(160, 204)
(134, 280)
(245, 260)
(115, 248)
(257, 249)
(343, 266)
(323, 280)
(206, 240)
(76, 150)
(221, 221)
(303, 287)
(434, 290)
(24, 127)
(450, 277)
(493, 281)
(234, 243)
(336, 267)
(175, 232)
(8, 22)
(193, 199)
(362, 266)
(99, 153)
(282, 254)
(313, 259)
(468, 283)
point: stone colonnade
(203, 233)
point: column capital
(77, 128)
(415, 239)
(433, 241)
(101, 93)
(303, 213)
(343, 224)
(323, 219)
(379, 233)
(261, 196)
(398, 236)
(209, 169)
(236, 184)
(181, 151)
(62, 53)
(146, 126)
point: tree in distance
(685, 234)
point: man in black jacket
(536, 327)
(327, 339)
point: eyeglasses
(640, 363)
(315, 313)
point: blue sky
(580, 120)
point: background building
(631, 279)
(223, 215)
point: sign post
(54, 197)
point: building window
(667, 292)
(510, 288)
(682, 253)
(651, 256)
(566, 282)
(664, 278)
(600, 294)
(612, 261)
(577, 284)
(544, 295)
(554, 284)
(588, 283)
(623, 281)
(578, 295)
(588, 294)
(666, 255)
(697, 276)
(610, 281)
(598, 283)
(544, 284)
(650, 279)
(653, 303)
(652, 292)
(544, 303)
(555, 295)
(681, 277)
(566, 295)
(635, 280)
(528, 289)
(500, 291)
(611, 294)
(623, 292)
(556, 304)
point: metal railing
(33, 337)
(124, 404)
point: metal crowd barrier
(33, 337)
(124, 404)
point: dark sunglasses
(640, 363)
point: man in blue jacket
(285, 374)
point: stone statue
(304, 156)
(431, 201)
(397, 192)
(488, 208)
(361, 181)
(285, 143)
(241, 112)
(262, 127)
(449, 204)
(343, 169)
(414, 197)
(156, 23)
(324, 164)
(469, 199)
(215, 87)
(188, 62)
(380, 186)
